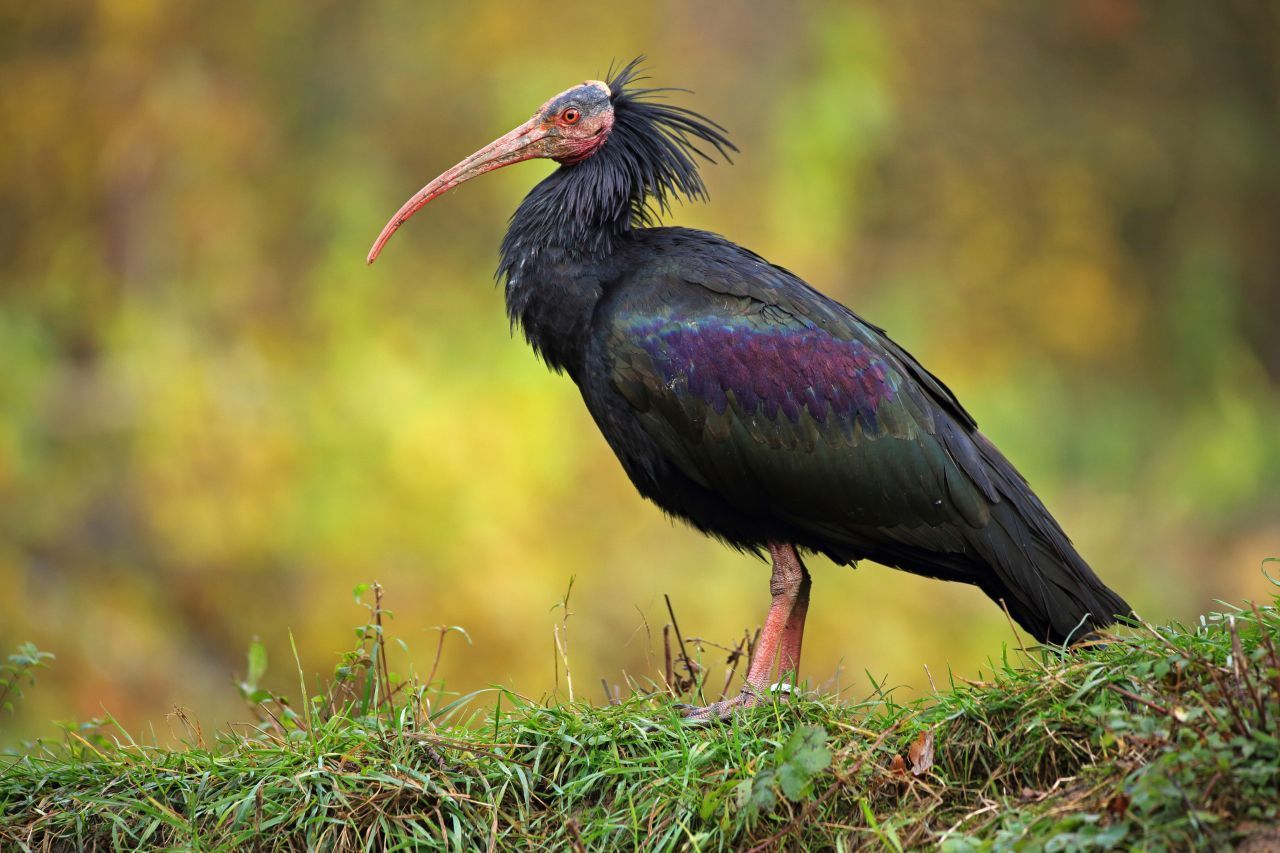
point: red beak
(523, 143)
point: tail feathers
(1054, 597)
(1048, 588)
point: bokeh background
(215, 420)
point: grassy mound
(1162, 738)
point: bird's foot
(716, 712)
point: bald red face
(579, 121)
(568, 128)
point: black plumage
(740, 399)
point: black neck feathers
(651, 155)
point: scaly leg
(793, 631)
(780, 639)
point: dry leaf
(921, 753)
(1260, 838)
(898, 766)
(1118, 805)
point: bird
(743, 401)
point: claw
(719, 711)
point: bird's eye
(570, 116)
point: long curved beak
(523, 143)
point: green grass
(1163, 738)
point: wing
(783, 401)
(790, 406)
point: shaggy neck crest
(649, 158)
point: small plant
(274, 712)
(363, 688)
(20, 668)
(791, 771)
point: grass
(1162, 738)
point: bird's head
(568, 128)
(574, 125)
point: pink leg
(793, 631)
(781, 637)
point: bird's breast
(552, 303)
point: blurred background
(215, 420)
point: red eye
(570, 116)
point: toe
(718, 711)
